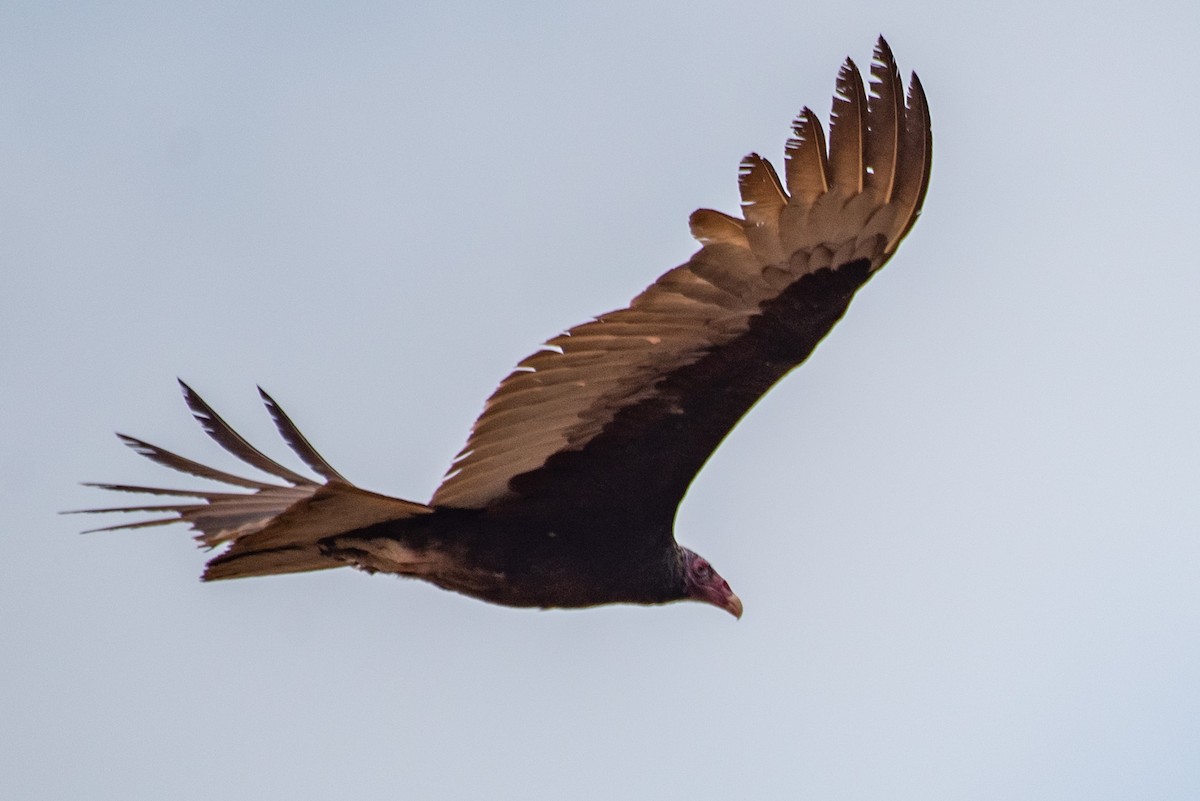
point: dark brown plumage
(566, 492)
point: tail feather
(273, 528)
(268, 562)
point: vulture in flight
(566, 491)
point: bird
(566, 492)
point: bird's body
(542, 562)
(566, 492)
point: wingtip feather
(914, 161)
(847, 129)
(806, 163)
(229, 439)
(296, 440)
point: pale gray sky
(967, 533)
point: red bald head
(702, 583)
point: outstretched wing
(273, 528)
(622, 411)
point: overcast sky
(967, 532)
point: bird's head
(702, 583)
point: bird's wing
(626, 408)
(273, 528)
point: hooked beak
(733, 605)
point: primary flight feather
(566, 491)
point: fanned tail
(274, 528)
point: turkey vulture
(566, 491)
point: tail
(273, 528)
